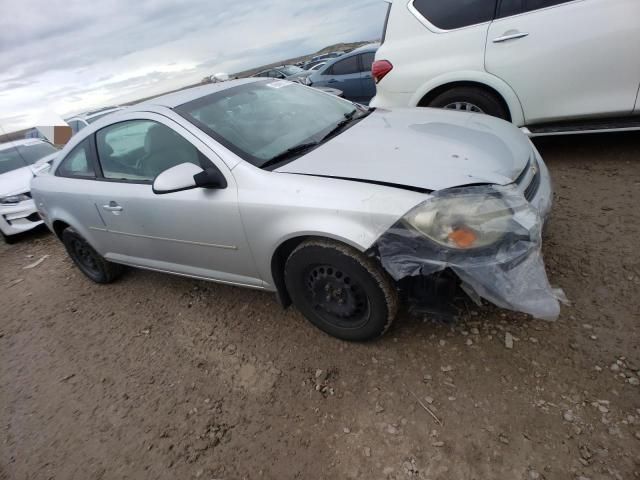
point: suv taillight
(380, 68)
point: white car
(20, 161)
(79, 122)
(549, 66)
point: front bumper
(18, 218)
(510, 274)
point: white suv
(550, 66)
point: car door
(344, 75)
(76, 181)
(567, 59)
(366, 78)
(195, 232)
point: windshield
(289, 70)
(259, 121)
(23, 155)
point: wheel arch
(431, 89)
(285, 248)
(59, 226)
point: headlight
(11, 199)
(465, 221)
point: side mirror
(187, 176)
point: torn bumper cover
(490, 236)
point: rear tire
(90, 262)
(340, 290)
(483, 101)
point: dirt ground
(163, 377)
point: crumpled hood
(16, 181)
(422, 148)
(19, 180)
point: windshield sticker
(279, 84)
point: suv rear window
(451, 14)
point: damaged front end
(489, 236)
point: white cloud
(73, 55)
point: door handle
(112, 207)
(510, 36)
(333, 81)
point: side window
(514, 7)
(367, 61)
(77, 163)
(139, 150)
(451, 14)
(346, 67)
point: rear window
(451, 14)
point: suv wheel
(340, 290)
(90, 262)
(471, 99)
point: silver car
(344, 210)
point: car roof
(21, 143)
(172, 100)
(365, 48)
(93, 113)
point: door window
(139, 150)
(78, 162)
(346, 67)
(367, 61)
(514, 7)
(451, 14)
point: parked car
(317, 66)
(336, 207)
(328, 56)
(313, 64)
(19, 162)
(79, 122)
(350, 73)
(550, 66)
(33, 133)
(290, 72)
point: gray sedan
(343, 210)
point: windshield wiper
(289, 153)
(304, 147)
(348, 118)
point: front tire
(8, 239)
(340, 290)
(471, 99)
(90, 262)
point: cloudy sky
(68, 56)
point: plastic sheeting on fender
(509, 273)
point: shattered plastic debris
(509, 273)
